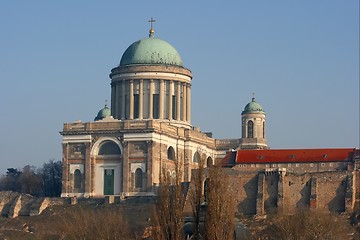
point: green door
(109, 182)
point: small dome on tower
(253, 107)
(103, 113)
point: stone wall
(274, 191)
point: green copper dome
(105, 112)
(151, 51)
(253, 107)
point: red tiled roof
(294, 155)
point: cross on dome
(151, 31)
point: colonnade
(151, 99)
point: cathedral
(147, 132)
(147, 128)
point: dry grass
(309, 225)
(101, 223)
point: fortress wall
(296, 192)
(271, 192)
(323, 191)
(247, 193)
(331, 191)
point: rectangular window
(126, 107)
(174, 109)
(156, 105)
(136, 105)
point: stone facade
(133, 152)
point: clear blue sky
(301, 58)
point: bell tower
(253, 121)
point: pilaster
(149, 164)
(125, 167)
(280, 200)
(65, 170)
(260, 200)
(350, 196)
(313, 193)
(88, 177)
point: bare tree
(221, 205)
(196, 196)
(168, 213)
(30, 182)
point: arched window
(109, 148)
(138, 178)
(196, 157)
(209, 162)
(250, 129)
(263, 129)
(171, 153)
(77, 179)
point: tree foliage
(45, 181)
(10, 182)
(51, 174)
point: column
(151, 103)
(183, 118)
(113, 100)
(123, 85)
(178, 99)
(188, 103)
(161, 107)
(131, 97)
(170, 99)
(117, 112)
(141, 87)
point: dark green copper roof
(253, 107)
(105, 112)
(151, 51)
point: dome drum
(150, 68)
(151, 72)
